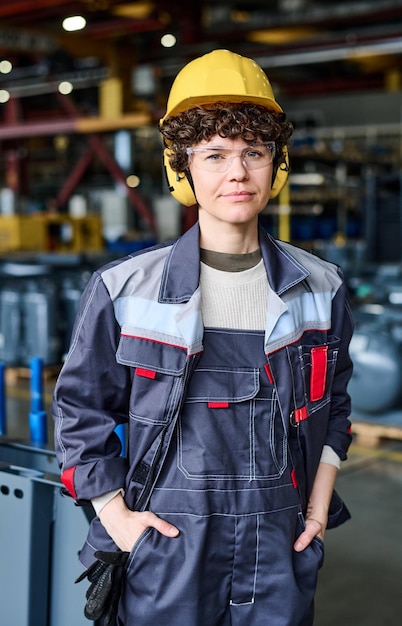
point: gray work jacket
(135, 343)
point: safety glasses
(217, 159)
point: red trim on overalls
(300, 414)
(268, 371)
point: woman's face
(237, 194)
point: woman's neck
(230, 238)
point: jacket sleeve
(339, 434)
(91, 398)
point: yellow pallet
(372, 435)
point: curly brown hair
(252, 122)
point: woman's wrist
(111, 514)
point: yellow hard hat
(219, 76)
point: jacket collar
(283, 270)
(181, 273)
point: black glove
(105, 576)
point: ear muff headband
(181, 189)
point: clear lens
(216, 159)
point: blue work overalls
(227, 484)
(224, 443)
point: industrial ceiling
(306, 46)
(310, 49)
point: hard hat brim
(191, 102)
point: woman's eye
(215, 156)
(253, 154)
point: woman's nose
(237, 168)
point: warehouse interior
(82, 182)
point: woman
(226, 352)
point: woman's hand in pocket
(125, 526)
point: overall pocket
(157, 369)
(230, 427)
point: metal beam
(96, 143)
(82, 125)
(74, 178)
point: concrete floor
(360, 583)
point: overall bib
(227, 484)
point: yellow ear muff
(178, 183)
(281, 176)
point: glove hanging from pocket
(105, 576)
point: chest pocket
(157, 371)
(230, 427)
(318, 368)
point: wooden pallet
(372, 435)
(15, 374)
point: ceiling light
(168, 40)
(132, 181)
(65, 87)
(75, 22)
(4, 96)
(5, 66)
